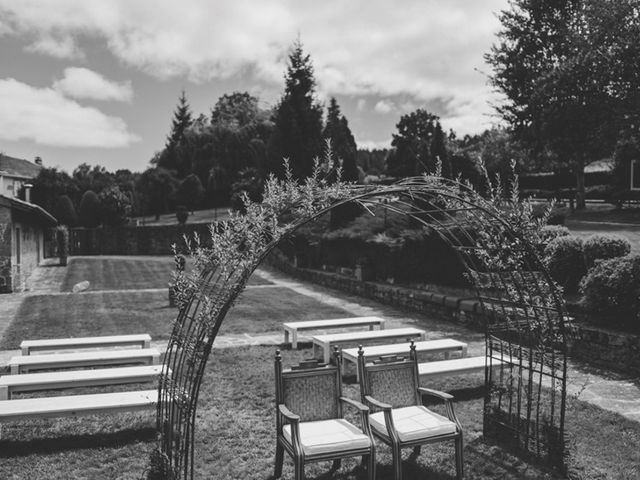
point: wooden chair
(309, 418)
(389, 386)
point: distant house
(15, 172)
(22, 232)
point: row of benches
(323, 344)
(22, 379)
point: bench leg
(25, 351)
(294, 340)
(15, 369)
(286, 336)
(146, 344)
(327, 353)
(447, 355)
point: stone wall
(5, 250)
(140, 240)
(618, 351)
(30, 253)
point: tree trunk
(580, 193)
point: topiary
(90, 211)
(182, 214)
(65, 212)
(564, 258)
(604, 246)
(62, 243)
(612, 287)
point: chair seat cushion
(413, 423)
(326, 436)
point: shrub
(612, 287)
(90, 211)
(564, 258)
(551, 232)
(115, 206)
(182, 214)
(65, 212)
(604, 246)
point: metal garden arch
(523, 312)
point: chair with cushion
(389, 386)
(309, 418)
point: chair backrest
(310, 390)
(392, 379)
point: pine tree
(343, 144)
(438, 150)
(297, 132)
(171, 158)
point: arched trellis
(523, 310)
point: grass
(199, 216)
(259, 310)
(234, 436)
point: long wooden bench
(55, 344)
(445, 345)
(75, 405)
(291, 329)
(456, 366)
(24, 364)
(327, 342)
(33, 382)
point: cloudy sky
(97, 81)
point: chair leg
(298, 466)
(279, 460)
(459, 459)
(371, 467)
(397, 463)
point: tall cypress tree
(439, 150)
(297, 133)
(170, 158)
(343, 144)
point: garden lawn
(235, 436)
(122, 273)
(94, 313)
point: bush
(90, 211)
(182, 214)
(65, 212)
(565, 260)
(551, 232)
(612, 287)
(115, 206)
(604, 246)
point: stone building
(15, 172)
(22, 234)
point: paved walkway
(602, 388)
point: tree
(297, 133)
(438, 151)
(190, 192)
(157, 186)
(569, 71)
(411, 154)
(115, 205)
(170, 158)
(65, 212)
(343, 144)
(95, 178)
(237, 110)
(49, 185)
(90, 212)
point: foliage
(90, 212)
(612, 288)
(49, 185)
(115, 206)
(411, 155)
(237, 110)
(603, 246)
(65, 212)
(249, 185)
(62, 241)
(438, 150)
(372, 161)
(297, 133)
(170, 158)
(564, 258)
(343, 144)
(190, 192)
(568, 71)
(549, 233)
(158, 185)
(95, 178)
(182, 214)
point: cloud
(64, 47)
(84, 83)
(425, 50)
(46, 117)
(384, 106)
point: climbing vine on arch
(522, 308)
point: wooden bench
(291, 329)
(33, 382)
(75, 405)
(327, 342)
(456, 366)
(29, 346)
(445, 345)
(24, 364)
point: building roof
(36, 212)
(17, 167)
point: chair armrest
(383, 406)
(355, 403)
(288, 414)
(435, 393)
